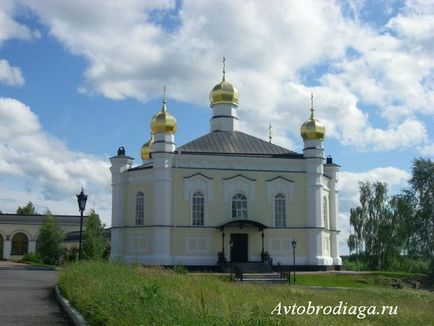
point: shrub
(50, 241)
(33, 258)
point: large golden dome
(163, 121)
(224, 92)
(146, 150)
(312, 128)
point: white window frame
(241, 212)
(285, 209)
(193, 218)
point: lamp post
(294, 244)
(81, 200)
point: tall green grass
(115, 294)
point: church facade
(226, 196)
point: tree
(95, 242)
(375, 234)
(29, 209)
(422, 186)
(50, 240)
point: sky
(78, 79)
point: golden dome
(312, 128)
(163, 121)
(224, 92)
(146, 151)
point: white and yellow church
(225, 197)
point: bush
(405, 264)
(33, 258)
(50, 240)
(354, 264)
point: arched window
(326, 213)
(20, 244)
(279, 210)
(198, 209)
(140, 206)
(239, 206)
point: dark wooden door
(239, 247)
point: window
(279, 210)
(140, 203)
(198, 208)
(239, 206)
(326, 213)
(20, 244)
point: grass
(115, 294)
(368, 280)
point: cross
(311, 103)
(269, 133)
(224, 67)
(164, 93)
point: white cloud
(131, 54)
(9, 28)
(32, 159)
(10, 75)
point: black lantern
(294, 245)
(81, 200)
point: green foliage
(116, 294)
(95, 241)
(422, 187)
(50, 241)
(33, 258)
(29, 209)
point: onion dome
(224, 92)
(163, 121)
(312, 128)
(146, 150)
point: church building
(226, 196)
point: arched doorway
(20, 244)
(1, 246)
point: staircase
(263, 278)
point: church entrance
(239, 248)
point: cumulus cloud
(37, 161)
(10, 75)
(9, 27)
(131, 52)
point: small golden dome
(163, 121)
(224, 92)
(146, 151)
(312, 128)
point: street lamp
(81, 200)
(294, 244)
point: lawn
(115, 294)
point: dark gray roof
(235, 143)
(39, 219)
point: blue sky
(79, 79)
